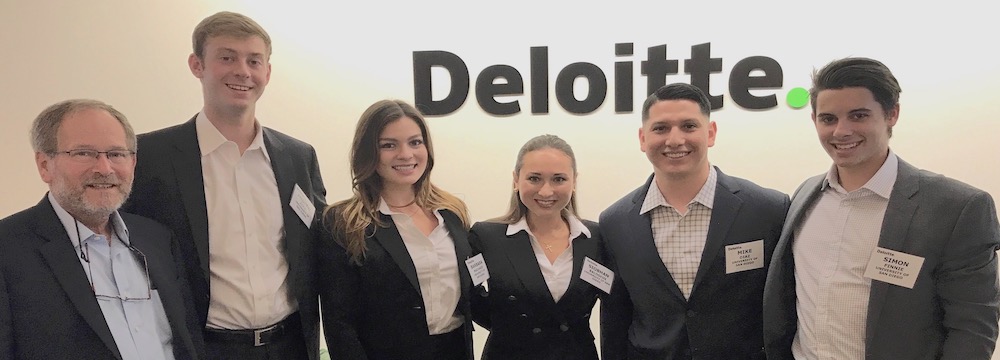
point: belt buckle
(258, 332)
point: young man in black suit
(242, 199)
(689, 248)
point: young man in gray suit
(879, 259)
(242, 198)
(689, 248)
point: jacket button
(564, 327)
(418, 308)
(511, 298)
(691, 313)
(524, 315)
(536, 330)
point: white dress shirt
(139, 327)
(436, 262)
(680, 238)
(249, 274)
(831, 249)
(559, 273)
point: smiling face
(233, 72)
(402, 154)
(545, 182)
(854, 129)
(676, 138)
(88, 188)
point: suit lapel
(169, 292)
(284, 176)
(190, 181)
(583, 247)
(725, 206)
(895, 225)
(64, 261)
(392, 242)
(522, 258)
(641, 234)
(460, 238)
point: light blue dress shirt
(139, 327)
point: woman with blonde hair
(537, 306)
(393, 283)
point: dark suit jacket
(951, 312)
(47, 308)
(169, 188)
(646, 315)
(375, 310)
(523, 319)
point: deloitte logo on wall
(751, 73)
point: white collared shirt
(139, 327)
(680, 239)
(436, 262)
(559, 273)
(831, 250)
(249, 273)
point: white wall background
(331, 60)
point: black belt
(256, 337)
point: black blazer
(47, 308)
(375, 310)
(523, 319)
(647, 317)
(169, 188)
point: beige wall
(332, 61)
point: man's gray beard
(75, 204)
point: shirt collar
(881, 183)
(705, 196)
(210, 139)
(71, 224)
(576, 227)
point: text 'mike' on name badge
(894, 267)
(596, 274)
(745, 256)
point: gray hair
(45, 128)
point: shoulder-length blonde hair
(350, 219)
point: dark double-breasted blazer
(47, 307)
(375, 310)
(169, 188)
(524, 321)
(647, 317)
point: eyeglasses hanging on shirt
(141, 293)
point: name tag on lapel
(894, 267)
(597, 275)
(302, 206)
(477, 269)
(745, 256)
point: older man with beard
(78, 279)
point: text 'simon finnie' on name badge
(894, 267)
(745, 256)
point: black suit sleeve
(191, 322)
(317, 180)
(338, 290)
(6, 323)
(480, 298)
(616, 312)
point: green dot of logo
(797, 98)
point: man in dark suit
(242, 199)
(689, 248)
(879, 259)
(78, 279)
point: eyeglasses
(85, 156)
(85, 255)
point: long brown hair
(351, 219)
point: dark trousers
(289, 344)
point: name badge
(745, 256)
(597, 275)
(894, 267)
(302, 206)
(477, 269)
